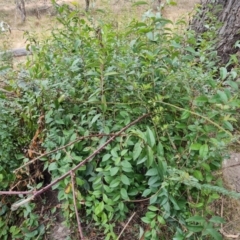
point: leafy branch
(42, 190)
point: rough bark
(227, 13)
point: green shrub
(91, 81)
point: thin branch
(61, 148)
(75, 206)
(234, 236)
(16, 205)
(129, 220)
(198, 115)
(86, 160)
(16, 192)
(234, 165)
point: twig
(222, 212)
(75, 206)
(61, 148)
(15, 192)
(16, 205)
(42, 190)
(198, 115)
(129, 220)
(229, 235)
(234, 165)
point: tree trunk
(20, 4)
(227, 12)
(87, 5)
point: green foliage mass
(89, 79)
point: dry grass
(121, 11)
(184, 9)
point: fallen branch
(86, 160)
(130, 219)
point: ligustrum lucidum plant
(87, 82)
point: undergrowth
(87, 82)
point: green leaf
(233, 84)
(153, 199)
(223, 73)
(73, 137)
(31, 234)
(223, 96)
(146, 192)
(114, 153)
(114, 183)
(151, 214)
(146, 220)
(141, 232)
(161, 220)
(123, 152)
(124, 194)
(121, 206)
(185, 115)
(216, 235)
(153, 208)
(198, 219)
(198, 175)
(126, 164)
(201, 99)
(125, 179)
(234, 75)
(110, 74)
(53, 166)
(150, 156)
(142, 160)
(99, 208)
(216, 219)
(152, 172)
(203, 151)
(214, 196)
(195, 146)
(153, 180)
(151, 36)
(162, 168)
(104, 104)
(160, 150)
(174, 202)
(150, 137)
(206, 167)
(95, 118)
(228, 125)
(137, 150)
(194, 228)
(114, 171)
(106, 157)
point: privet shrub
(92, 81)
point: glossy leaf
(125, 180)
